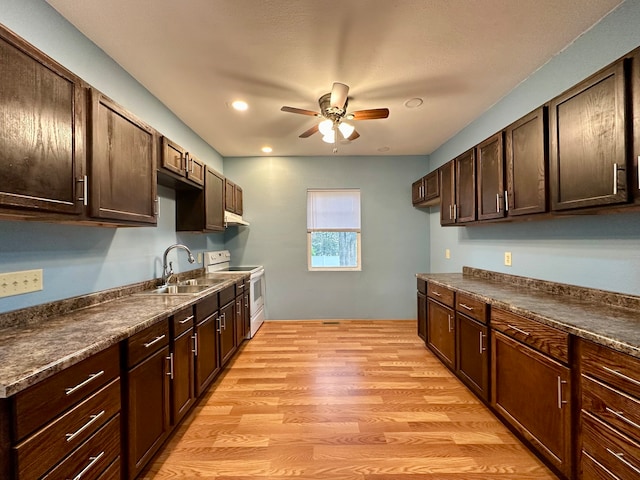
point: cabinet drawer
(144, 343)
(546, 339)
(206, 307)
(44, 449)
(615, 368)
(93, 456)
(240, 286)
(612, 406)
(112, 472)
(182, 321)
(227, 295)
(442, 294)
(40, 403)
(476, 309)
(610, 449)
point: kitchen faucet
(167, 271)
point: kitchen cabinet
(422, 309)
(526, 161)
(202, 210)
(226, 324)
(206, 343)
(635, 108)
(441, 326)
(240, 326)
(147, 422)
(42, 130)
(233, 199)
(122, 159)
(447, 192)
(182, 364)
(472, 344)
(178, 162)
(609, 443)
(531, 385)
(588, 142)
(465, 181)
(490, 179)
(247, 309)
(426, 191)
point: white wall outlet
(17, 283)
(447, 253)
(200, 258)
(507, 259)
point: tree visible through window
(333, 229)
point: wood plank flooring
(356, 400)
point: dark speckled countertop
(40, 345)
(604, 317)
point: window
(333, 229)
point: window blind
(329, 210)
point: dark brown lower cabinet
(441, 332)
(239, 327)
(472, 355)
(226, 330)
(182, 375)
(148, 423)
(206, 352)
(532, 393)
(422, 316)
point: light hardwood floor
(356, 400)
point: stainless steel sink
(208, 282)
(176, 290)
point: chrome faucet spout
(167, 269)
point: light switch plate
(17, 283)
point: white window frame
(358, 231)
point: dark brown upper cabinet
(464, 210)
(635, 101)
(122, 160)
(426, 191)
(233, 201)
(202, 210)
(447, 173)
(490, 179)
(42, 123)
(588, 145)
(180, 163)
(526, 162)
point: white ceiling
(459, 56)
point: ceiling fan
(333, 112)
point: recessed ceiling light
(267, 149)
(413, 102)
(240, 105)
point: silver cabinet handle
(560, 401)
(154, 341)
(506, 201)
(219, 327)
(620, 415)
(195, 343)
(224, 320)
(85, 190)
(615, 178)
(621, 375)
(92, 419)
(240, 286)
(466, 307)
(246, 301)
(620, 456)
(92, 377)
(639, 171)
(88, 467)
(455, 211)
(497, 203)
(170, 372)
(449, 322)
(188, 319)
(436, 294)
(518, 330)
(450, 212)
(615, 477)
(482, 349)
(186, 162)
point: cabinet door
(635, 108)
(490, 184)
(447, 193)
(239, 327)
(527, 147)
(465, 191)
(214, 201)
(206, 352)
(247, 311)
(588, 154)
(239, 200)
(194, 169)
(42, 122)
(417, 192)
(441, 332)
(182, 378)
(173, 157)
(473, 355)
(229, 196)
(147, 424)
(227, 332)
(533, 394)
(422, 316)
(122, 164)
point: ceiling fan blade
(339, 93)
(309, 132)
(300, 111)
(372, 114)
(353, 136)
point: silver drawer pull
(621, 416)
(88, 467)
(154, 341)
(518, 330)
(92, 377)
(620, 456)
(615, 477)
(92, 419)
(188, 319)
(466, 307)
(621, 375)
(436, 294)
(240, 286)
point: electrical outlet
(200, 258)
(507, 259)
(447, 253)
(17, 283)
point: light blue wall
(595, 251)
(394, 234)
(79, 260)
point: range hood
(231, 219)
